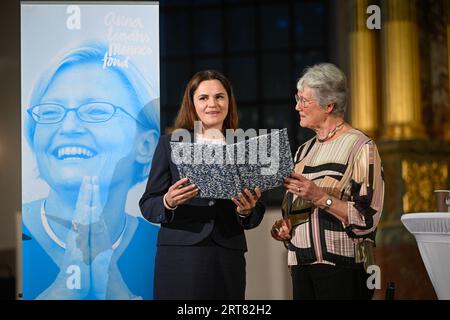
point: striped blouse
(348, 168)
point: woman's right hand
(281, 230)
(179, 193)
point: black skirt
(205, 271)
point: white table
(432, 233)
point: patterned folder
(221, 171)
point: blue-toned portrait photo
(92, 125)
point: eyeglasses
(92, 112)
(303, 101)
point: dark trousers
(202, 271)
(327, 282)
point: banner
(90, 124)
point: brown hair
(187, 114)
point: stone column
(366, 108)
(401, 94)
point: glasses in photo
(303, 101)
(92, 112)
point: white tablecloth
(432, 233)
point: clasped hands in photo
(303, 188)
(182, 190)
(89, 253)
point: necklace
(331, 133)
(59, 242)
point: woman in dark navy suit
(201, 243)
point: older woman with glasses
(334, 197)
(93, 131)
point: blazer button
(211, 203)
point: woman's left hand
(246, 201)
(304, 188)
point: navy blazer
(197, 218)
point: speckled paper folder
(222, 171)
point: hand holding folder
(221, 171)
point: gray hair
(329, 85)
